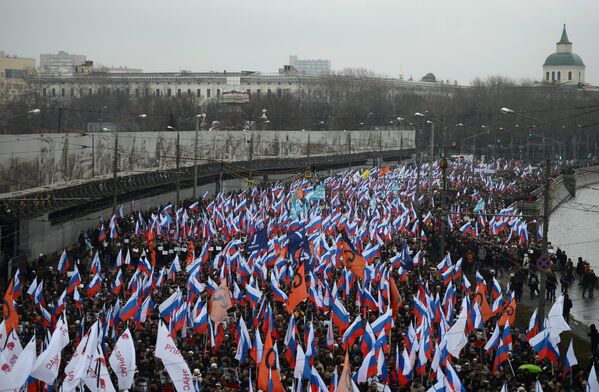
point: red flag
(396, 301)
(268, 368)
(299, 291)
(485, 309)
(355, 262)
(509, 313)
(8, 310)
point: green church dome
(557, 59)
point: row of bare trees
(355, 99)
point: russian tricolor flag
(63, 262)
(130, 309)
(352, 333)
(17, 288)
(94, 285)
(340, 315)
(571, 360)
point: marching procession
(368, 280)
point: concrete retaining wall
(558, 190)
(29, 161)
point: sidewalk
(584, 312)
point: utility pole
(195, 157)
(59, 127)
(177, 164)
(349, 147)
(431, 158)
(417, 194)
(546, 212)
(380, 148)
(443, 165)
(114, 172)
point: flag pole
(512, 369)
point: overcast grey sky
(455, 39)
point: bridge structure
(53, 186)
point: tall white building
(564, 67)
(315, 67)
(61, 63)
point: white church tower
(564, 67)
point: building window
(547, 75)
(269, 91)
(127, 92)
(157, 92)
(248, 91)
(15, 74)
(258, 92)
(147, 92)
(552, 75)
(199, 92)
(178, 92)
(62, 92)
(53, 92)
(279, 92)
(168, 92)
(137, 92)
(72, 92)
(559, 75)
(81, 92)
(569, 75)
(208, 93)
(90, 92)
(118, 92)
(579, 78)
(218, 92)
(44, 92)
(189, 92)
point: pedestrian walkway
(584, 312)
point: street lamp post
(27, 113)
(195, 152)
(177, 166)
(114, 169)
(115, 164)
(546, 212)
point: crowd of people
(345, 279)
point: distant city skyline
(459, 40)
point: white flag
(555, 319)
(173, 361)
(122, 360)
(592, 384)
(97, 378)
(456, 339)
(14, 377)
(77, 366)
(12, 348)
(48, 363)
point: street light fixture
(32, 111)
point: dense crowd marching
(330, 284)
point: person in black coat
(567, 307)
(594, 335)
